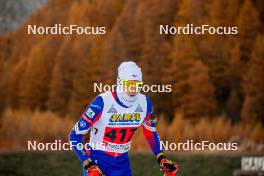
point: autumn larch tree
(193, 93)
(254, 85)
(34, 88)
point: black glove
(167, 165)
(92, 168)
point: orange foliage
(17, 127)
(211, 75)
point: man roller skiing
(113, 118)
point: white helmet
(127, 71)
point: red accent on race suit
(88, 152)
(90, 121)
(86, 119)
(113, 154)
(97, 117)
(114, 95)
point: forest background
(217, 81)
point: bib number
(119, 135)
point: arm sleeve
(149, 130)
(91, 114)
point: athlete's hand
(91, 168)
(170, 168)
(94, 171)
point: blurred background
(217, 81)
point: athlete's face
(132, 91)
(132, 87)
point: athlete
(113, 118)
